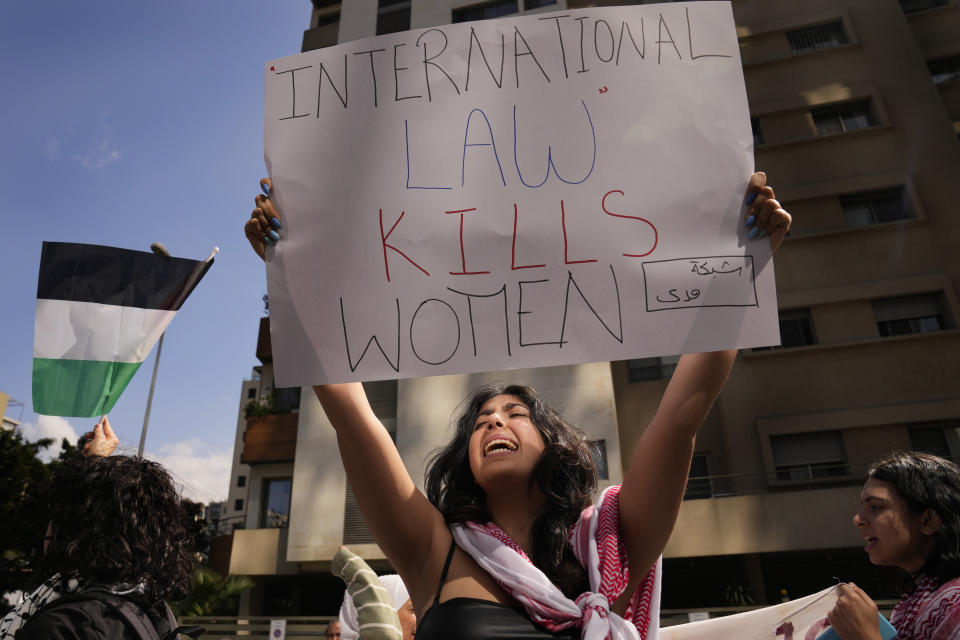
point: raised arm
(657, 475)
(401, 519)
(403, 522)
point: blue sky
(127, 123)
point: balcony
(264, 346)
(322, 36)
(270, 438)
(260, 552)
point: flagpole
(160, 250)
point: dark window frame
(485, 11)
(757, 130)
(796, 329)
(912, 6)
(945, 69)
(280, 520)
(892, 323)
(656, 368)
(818, 37)
(823, 468)
(699, 482)
(877, 207)
(843, 117)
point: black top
(475, 619)
(87, 620)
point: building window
(276, 503)
(393, 16)
(910, 314)
(757, 131)
(530, 5)
(876, 207)
(820, 36)
(805, 456)
(355, 530)
(843, 118)
(598, 451)
(382, 396)
(286, 399)
(909, 6)
(484, 11)
(939, 438)
(945, 69)
(698, 480)
(251, 393)
(241, 481)
(238, 504)
(642, 369)
(796, 330)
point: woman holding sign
(910, 518)
(507, 545)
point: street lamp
(160, 250)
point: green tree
(23, 522)
(213, 595)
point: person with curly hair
(506, 543)
(909, 517)
(117, 530)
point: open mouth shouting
(499, 447)
(871, 542)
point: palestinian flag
(99, 312)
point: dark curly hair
(565, 475)
(118, 521)
(924, 482)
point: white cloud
(101, 152)
(203, 472)
(95, 152)
(49, 427)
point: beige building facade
(855, 106)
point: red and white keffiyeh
(930, 612)
(596, 543)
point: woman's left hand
(764, 216)
(855, 615)
(101, 441)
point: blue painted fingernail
(269, 240)
(763, 233)
(750, 220)
(273, 235)
(751, 197)
(753, 233)
(276, 223)
(266, 189)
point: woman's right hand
(264, 223)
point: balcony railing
(738, 484)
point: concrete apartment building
(855, 106)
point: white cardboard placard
(539, 190)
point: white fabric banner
(803, 619)
(545, 189)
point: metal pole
(160, 250)
(153, 383)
